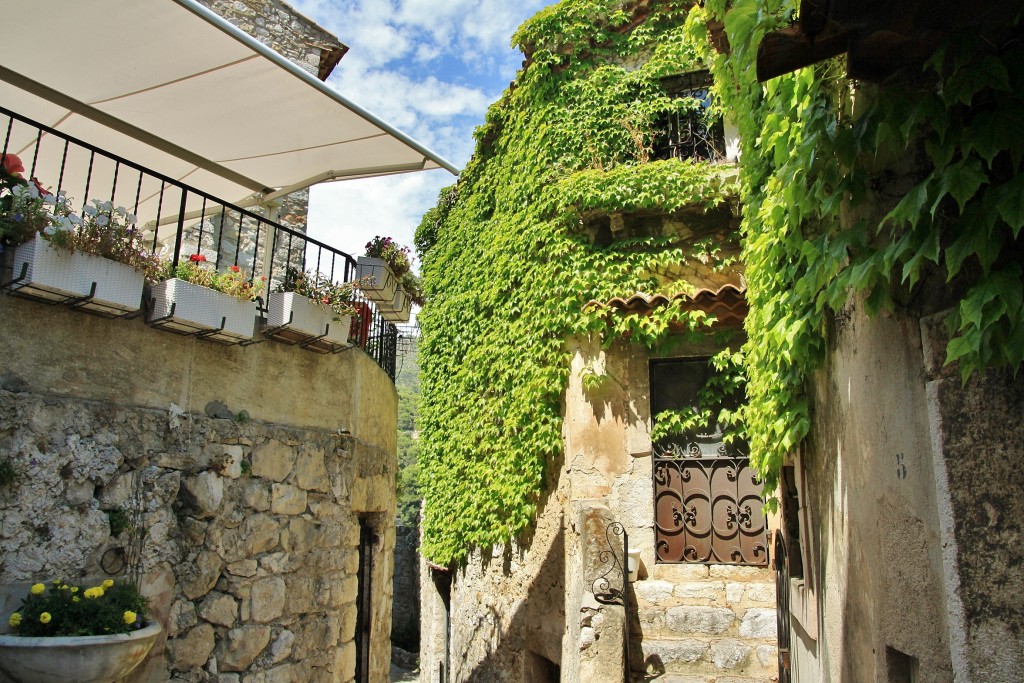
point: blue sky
(428, 67)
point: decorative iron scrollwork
(603, 588)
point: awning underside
(166, 85)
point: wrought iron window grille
(707, 498)
(694, 133)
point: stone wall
(251, 554)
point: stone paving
(400, 675)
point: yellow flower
(76, 599)
(130, 617)
(15, 619)
(108, 583)
(64, 587)
(44, 618)
(37, 588)
(74, 589)
(95, 592)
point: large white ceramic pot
(75, 659)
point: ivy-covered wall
(510, 264)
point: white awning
(171, 86)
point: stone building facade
(532, 612)
(254, 470)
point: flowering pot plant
(335, 298)
(387, 250)
(64, 609)
(28, 209)
(232, 282)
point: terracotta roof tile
(728, 303)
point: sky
(430, 68)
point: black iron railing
(178, 220)
(693, 133)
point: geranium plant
(232, 281)
(395, 255)
(27, 208)
(337, 298)
(64, 609)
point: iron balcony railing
(178, 220)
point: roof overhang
(171, 86)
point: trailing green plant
(718, 405)
(510, 271)
(826, 219)
(120, 521)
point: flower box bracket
(192, 310)
(319, 344)
(22, 286)
(201, 333)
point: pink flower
(235, 269)
(12, 164)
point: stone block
(275, 563)
(345, 665)
(267, 599)
(761, 592)
(310, 471)
(740, 572)
(699, 590)
(671, 652)
(116, 493)
(203, 493)
(300, 594)
(768, 655)
(245, 568)
(201, 576)
(220, 609)
(653, 591)
(242, 646)
(758, 622)
(281, 648)
(231, 466)
(703, 620)
(678, 573)
(287, 500)
(256, 494)
(652, 619)
(273, 460)
(734, 592)
(191, 650)
(728, 654)
(182, 617)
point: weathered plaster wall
(977, 435)
(253, 532)
(874, 549)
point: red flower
(12, 164)
(235, 269)
(39, 186)
(197, 258)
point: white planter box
(376, 279)
(399, 309)
(58, 275)
(296, 313)
(188, 308)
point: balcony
(695, 133)
(179, 222)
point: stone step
(703, 657)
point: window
(691, 134)
(707, 498)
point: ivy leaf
(909, 208)
(961, 180)
(1011, 203)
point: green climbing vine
(863, 193)
(510, 271)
